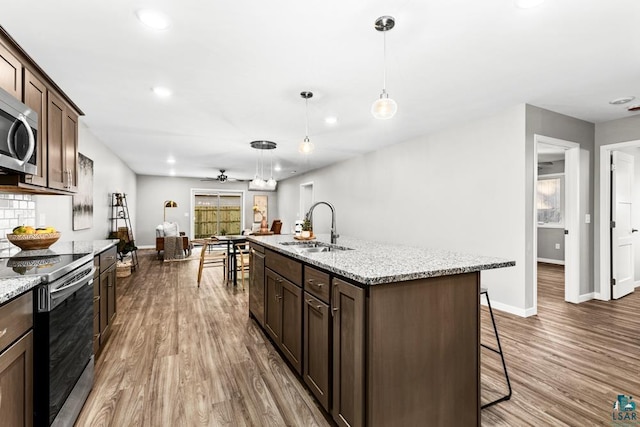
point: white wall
(460, 189)
(110, 175)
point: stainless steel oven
(18, 133)
(63, 353)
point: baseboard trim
(638, 284)
(510, 308)
(146, 247)
(551, 261)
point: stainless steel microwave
(18, 133)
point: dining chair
(210, 257)
(242, 263)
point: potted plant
(307, 229)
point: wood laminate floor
(183, 356)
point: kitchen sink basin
(314, 247)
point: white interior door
(622, 257)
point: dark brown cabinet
(10, 73)
(35, 97)
(62, 150)
(96, 305)
(104, 305)
(283, 316)
(256, 283)
(57, 136)
(16, 362)
(348, 354)
(317, 359)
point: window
(551, 200)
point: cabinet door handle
(318, 307)
(3, 332)
(96, 298)
(333, 299)
(313, 283)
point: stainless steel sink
(314, 247)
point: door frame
(571, 217)
(604, 219)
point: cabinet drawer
(286, 267)
(107, 258)
(16, 318)
(316, 283)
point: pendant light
(306, 146)
(258, 182)
(384, 107)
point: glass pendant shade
(271, 182)
(305, 146)
(384, 107)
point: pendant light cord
(384, 62)
(306, 109)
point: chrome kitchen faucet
(334, 232)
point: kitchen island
(381, 334)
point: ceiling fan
(222, 178)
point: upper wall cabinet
(35, 97)
(57, 137)
(62, 127)
(10, 73)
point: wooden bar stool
(496, 350)
(214, 258)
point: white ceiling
(236, 69)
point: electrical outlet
(587, 219)
(557, 245)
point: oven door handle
(11, 134)
(88, 278)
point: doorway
(624, 268)
(556, 212)
(306, 198)
(216, 212)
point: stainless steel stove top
(47, 263)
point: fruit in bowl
(27, 237)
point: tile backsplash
(15, 209)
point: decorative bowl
(33, 241)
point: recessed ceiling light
(623, 100)
(331, 120)
(153, 19)
(162, 92)
(172, 172)
(171, 160)
(528, 4)
(277, 168)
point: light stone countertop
(374, 263)
(15, 286)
